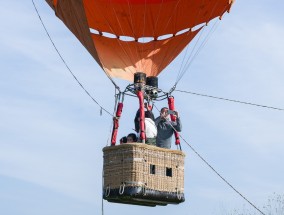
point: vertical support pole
(171, 103)
(116, 123)
(142, 115)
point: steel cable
(215, 171)
(68, 68)
(230, 100)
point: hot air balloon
(135, 40)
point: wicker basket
(141, 174)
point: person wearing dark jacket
(166, 128)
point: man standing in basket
(166, 128)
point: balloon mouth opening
(145, 39)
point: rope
(102, 108)
(111, 124)
(231, 100)
(181, 66)
(216, 172)
(206, 39)
(202, 45)
(102, 191)
(184, 67)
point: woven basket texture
(138, 164)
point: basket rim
(142, 145)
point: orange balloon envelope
(128, 36)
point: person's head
(164, 112)
(123, 140)
(148, 114)
(131, 138)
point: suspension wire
(207, 37)
(107, 74)
(202, 45)
(189, 61)
(214, 170)
(183, 66)
(110, 78)
(102, 205)
(114, 110)
(230, 100)
(68, 68)
(212, 30)
(110, 132)
(195, 21)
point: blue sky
(52, 134)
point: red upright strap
(116, 123)
(142, 115)
(171, 102)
